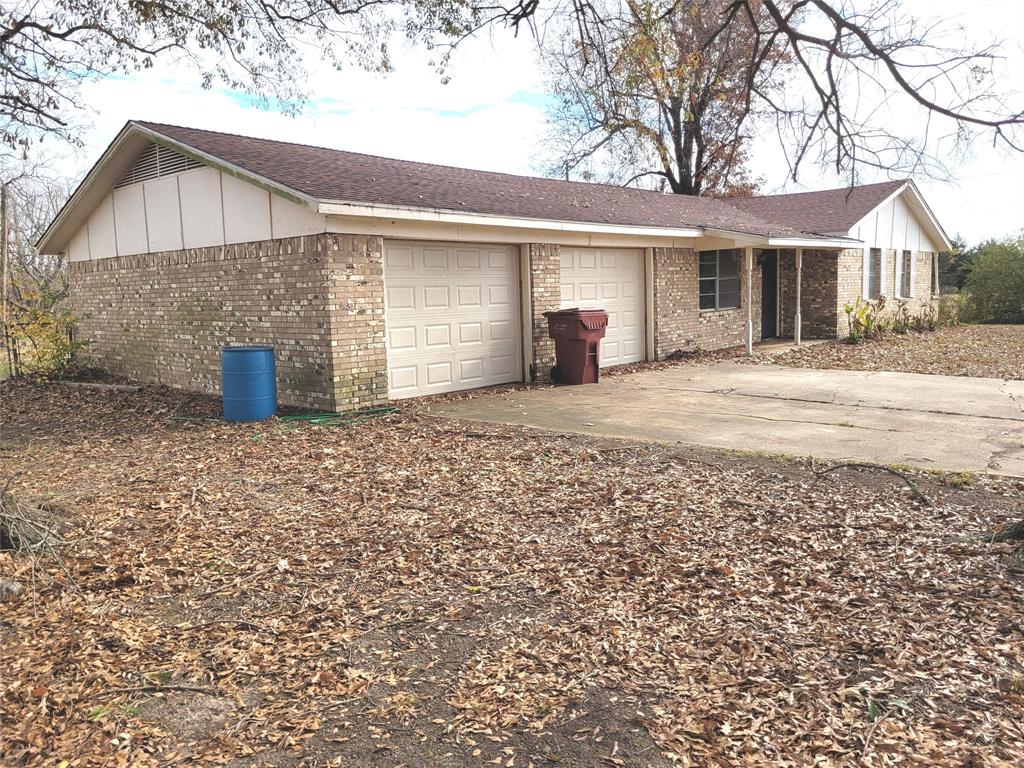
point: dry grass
(413, 591)
(994, 351)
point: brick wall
(163, 317)
(545, 295)
(356, 303)
(923, 280)
(679, 325)
(851, 283)
(818, 293)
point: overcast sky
(491, 115)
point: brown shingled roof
(829, 211)
(335, 175)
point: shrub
(947, 310)
(42, 343)
(871, 320)
(994, 290)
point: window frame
(906, 275)
(872, 258)
(718, 278)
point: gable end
(156, 162)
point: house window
(906, 274)
(874, 275)
(719, 279)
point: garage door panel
(452, 315)
(469, 296)
(439, 373)
(500, 260)
(435, 259)
(404, 378)
(437, 336)
(401, 297)
(436, 297)
(471, 370)
(498, 295)
(501, 366)
(402, 338)
(501, 330)
(609, 279)
(398, 258)
(471, 333)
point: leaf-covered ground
(413, 591)
(994, 351)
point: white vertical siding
(163, 214)
(194, 209)
(201, 216)
(246, 211)
(895, 226)
(78, 248)
(900, 222)
(290, 219)
(130, 220)
(102, 242)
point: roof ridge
(906, 180)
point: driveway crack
(1013, 397)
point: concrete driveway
(935, 422)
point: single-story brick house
(378, 279)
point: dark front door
(769, 294)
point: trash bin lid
(576, 312)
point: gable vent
(155, 162)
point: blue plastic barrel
(248, 383)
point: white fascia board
(922, 205)
(57, 235)
(795, 242)
(776, 241)
(480, 219)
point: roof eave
(441, 215)
(931, 219)
(783, 241)
(56, 236)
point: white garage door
(610, 279)
(452, 314)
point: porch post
(799, 280)
(750, 300)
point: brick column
(545, 270)
(355, 286)
(675, 300)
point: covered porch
(799, 294)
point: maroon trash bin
(577, 334)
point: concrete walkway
(935, 422)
